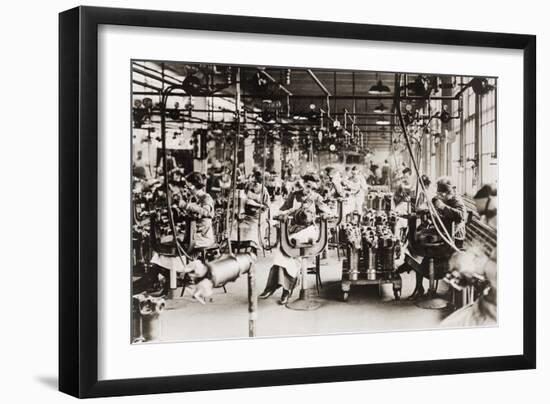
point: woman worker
(483, 311)
(249, 225)
(198, 208)
(360, 187)
(303, 205)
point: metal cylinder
(431, 275)
(387, 253)
(370, 261)
(150, 309)
(228, 268)
(136, 318)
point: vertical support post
(303, 273)
(248, 152)
(228, 218)
(477, 171)
(252, 301)
(431, 274)
(277, 161)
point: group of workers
(304, 198)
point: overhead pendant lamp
(382, 121)
(380, 109)
(379, 88)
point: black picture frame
(78, 196)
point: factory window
(488, 163)
(455, 157)
(470, 170)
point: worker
(386, 173)
(139, 169)
(303, 205)
(360, 187)
(213, 180)
(425, 194)
(450, 207)
(452, 212)
(249, 225)
(290, 181)
(201, 209)
(406, 178)
(483, 311)
(486, 204)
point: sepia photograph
(278, 201)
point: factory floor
(367, 310)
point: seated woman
(421, 203)
(249, 225)
(303, 204)
(450, 207)
(290, 181)
(199, 208)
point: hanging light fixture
(480, 85)
(379, 87)
(380, 109)
(382, 121)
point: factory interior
(291, 201)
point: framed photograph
(251, 201)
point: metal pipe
(178, 81)
(294, 124)
(354, 102)
(318, 82)
(235, 159)
(144, 84)
(348, 115)
(316, 96)
(152, 76)
(362, 114)
(162, 78)
(272, 79)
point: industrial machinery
(222, 270)
(379, 198)
(371, 250)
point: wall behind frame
(29, 79)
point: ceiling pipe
(142, 83)
(156, 71)
(360, 114)
(272, 79)
(152, 76)
(318, 82)
(350, 115)
(305, 97)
